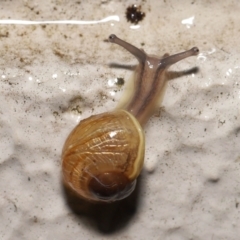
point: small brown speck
(134, 14)
(120, 81)
(35, 219)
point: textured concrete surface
(54, 73)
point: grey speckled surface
(53, 75)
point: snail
(103, 155)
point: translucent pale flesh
(149, 79)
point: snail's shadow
(104, 217)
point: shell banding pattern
(103, 156)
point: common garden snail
(103, 155)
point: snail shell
(103, 155)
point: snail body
(103, 155)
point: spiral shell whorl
(109, 147)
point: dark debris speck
(134, 14)
(120, 81)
